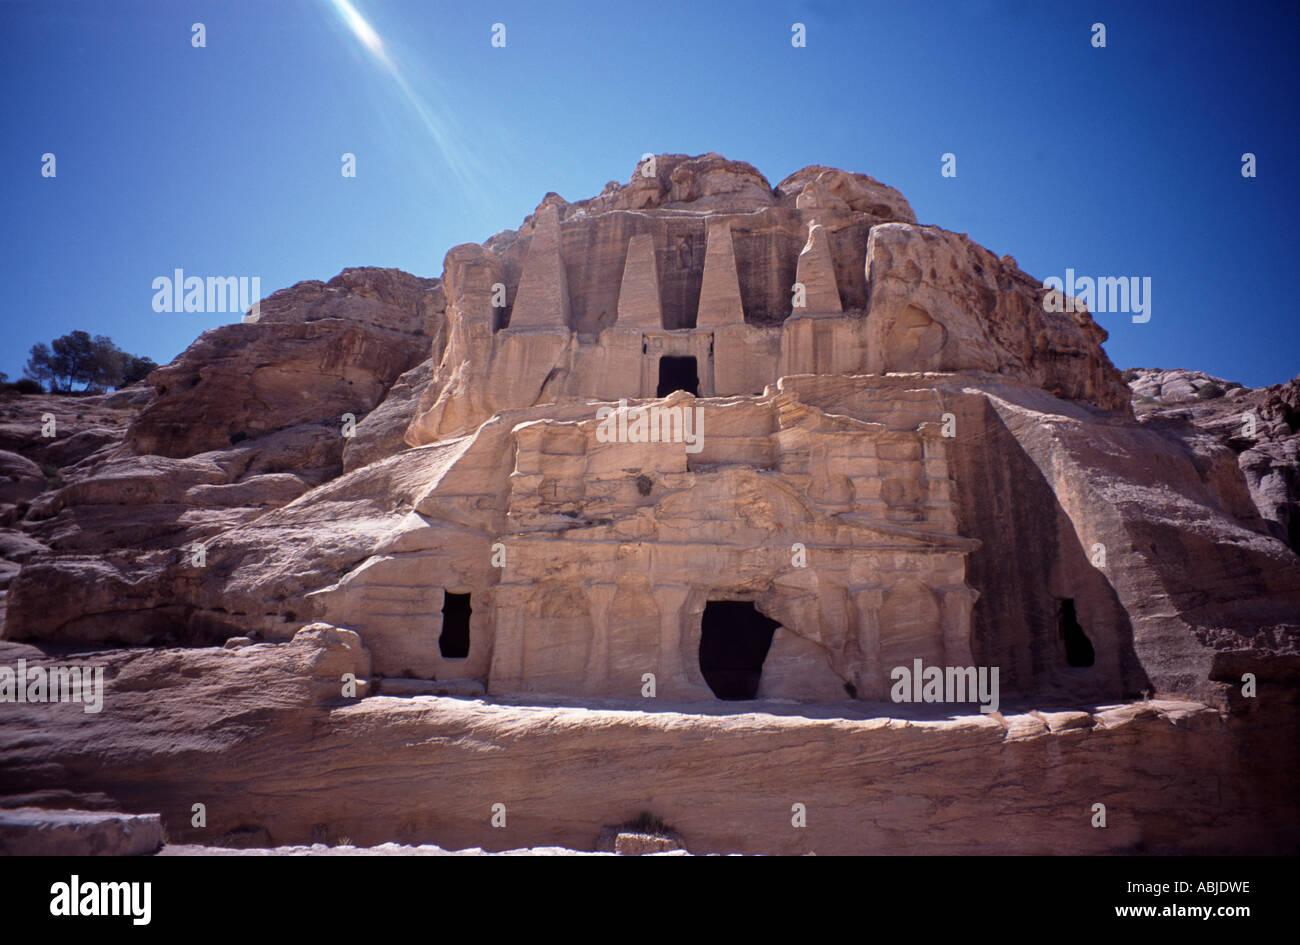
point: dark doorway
(734, 640)
(454, 642)
(677, 374)
(1078, 648)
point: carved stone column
(672, 680)
(871, 678)
(599, 599)
(506, 674)
(956, 606)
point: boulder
(20, 479)
(33, 831)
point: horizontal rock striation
(258, 736)
(560, 473)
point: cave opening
(677, 373)
(734, 639)
(1078, 648)
(454, 641)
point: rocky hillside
(1261, 426)
(302, 497)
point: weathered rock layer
(545, 475)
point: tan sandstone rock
(318, 351)
(609, 486)
(253, 734)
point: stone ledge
(35, 831)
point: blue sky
(225, 160)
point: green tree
(95, 363)
(136, 369)
(40, 365)
(74, 358)
(108, 363)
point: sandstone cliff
(381, 456)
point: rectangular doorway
(678, 373)
(454, 641)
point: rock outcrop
(263, 738)
(317, 351)
(1261, 427)
(828, 273)
(34, 831)
(692, 442)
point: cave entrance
(677, 373)
(454, 641)
(1078, 648)
(734, 639)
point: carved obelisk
(816, 273)
(639, 304)
(720, 302)
(543, 297)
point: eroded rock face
(246, 420)
(1157, 387)
(382, 432)
(1261, 427)
(78, 427)
(827, 188)
(33, 831)
(44, 440)
(264, 738)
(699, 258)
(878, 444)
(939, 302)
(257, 537)
(318, 351)
(596, 535)
(21, 480)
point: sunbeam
(439, 123)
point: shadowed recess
(454, 641)
(734, 639)
(1078, 648)
(677, 373)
